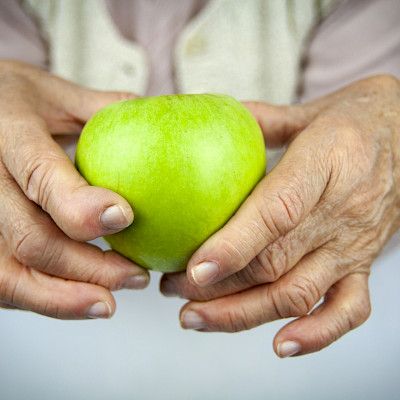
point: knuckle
(357, 314)
(274, 261)
(282, 211)
(232, 251)
(107, 277)
(267, 266)
(36, 247)
(292, 205)
(54, 307)
(236, 320)
(327, 334)
(38, 178)
(26, 244)
(348, 318)
(98, 276)
(51, 308)
(347, 167)
(9, 287)
(364, 313)
(297, 298)
(250, 275)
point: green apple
(185, 163)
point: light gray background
(143, 354)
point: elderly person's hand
(311, 228)
(48, 210)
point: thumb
(279, 203)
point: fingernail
(99, 310)
(288, 348)
(192, 320)
(136, 282)
(115, 217)
(204, 273)
(168, 288)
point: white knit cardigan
(249, 49)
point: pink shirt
(359, 38)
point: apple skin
(185, 163)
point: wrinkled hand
(48, 210)
(311, 228)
